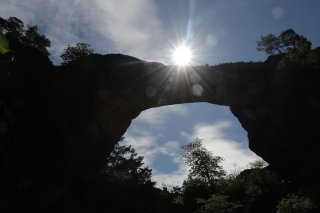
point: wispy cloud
(148, 146)
(175, 178)
(215, 139)
(158, 116)
(220, 137)
(125, 26)
(144, 138)
(140, 140)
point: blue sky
(159, 133)
(217, 30)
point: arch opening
(159, 133)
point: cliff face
(61, 122)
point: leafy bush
(219, 204)
(293, 203)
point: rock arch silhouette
(67, 118)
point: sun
(182, 55)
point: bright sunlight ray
(182, 55)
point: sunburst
(182, 55)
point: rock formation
(60, 122)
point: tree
(37, 40)
(72, 53)
(296, 47)
(124, 165)
(287, 41)
(13, 29)
(270, 44)
(204, 165)
(291, 40)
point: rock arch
(67, 118)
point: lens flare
(182, 55)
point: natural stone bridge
(67, 118)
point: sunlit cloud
(220, 137)
(146, 145)
(140, 140)
(158, 116)
(143, 143)
(122, 26)
(131, 25)
(151, 145)
(215, 139)
(146, 142)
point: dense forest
(123, 183)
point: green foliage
(13, 28)
(205, 175)
(218, 204)
(293, 203)
(4, 45)
(124, 165)
(72, 53)
(204, 165)
(256, 189)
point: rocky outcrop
(60, 122)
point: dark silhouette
(123, 165)
(257, 189)
(14, 30)
(58, 124)
(296, 47)
(287, 41)
(71, 53)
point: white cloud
(140, 141)
(214, 135)
(235, 153)
(158, 116)
(146, 145)
(170, 149)
(151, 145)
(175, 178)
(125, 26)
